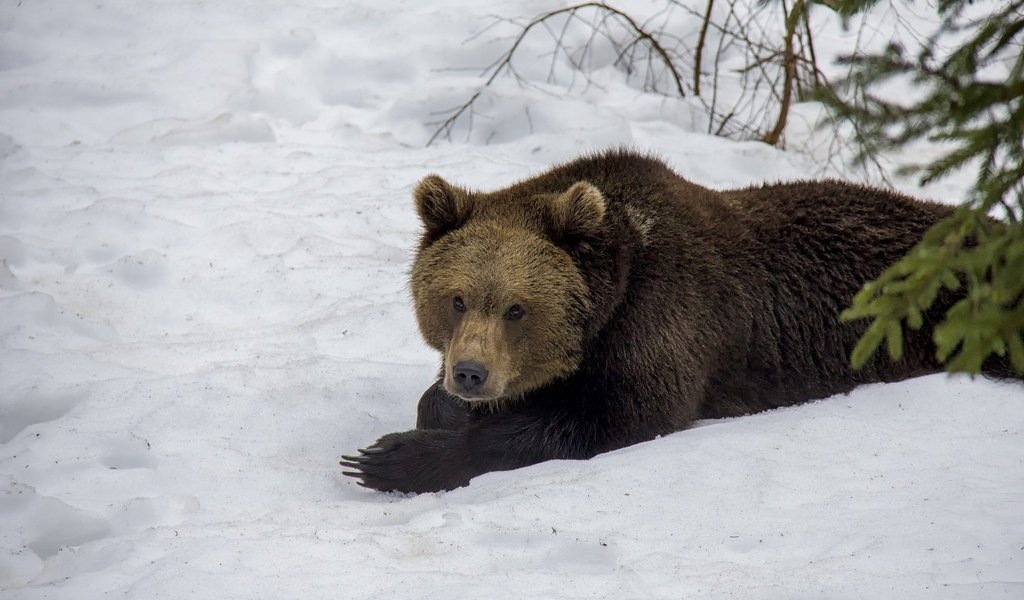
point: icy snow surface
(205, 231)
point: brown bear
(608, 301)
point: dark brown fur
(649, 302)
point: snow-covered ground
(205, 231)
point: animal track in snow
(30, 408)
(143, 270)
(66, 526)
(128, 453)
(37, 316)
(37, 527)
(158, 511)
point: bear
(608, 301)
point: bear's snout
(469, 376)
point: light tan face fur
(492, 264)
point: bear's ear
(441, 206)
(578, 212)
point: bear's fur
(608, 301)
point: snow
(205, 234)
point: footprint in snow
(144, 270)
(128, 453)
(31, 408)
(36, 528)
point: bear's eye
(458, 304)
(514, 313)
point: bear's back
(763, 271)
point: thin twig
(699, 50)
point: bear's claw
(357, 463)
(411, 461)
(354, 462)
(371, 469)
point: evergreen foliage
(970, 79)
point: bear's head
(496, 288)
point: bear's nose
(469, 375)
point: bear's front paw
(411, 461)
